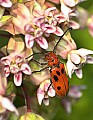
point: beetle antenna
(33, 55)
(61, 38)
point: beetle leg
(40, 70)
(49, 85)
(39, 62)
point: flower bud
(31, 116)
(90, 25)
(38, 77)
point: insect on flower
(59, 79)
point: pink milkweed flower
(73, 24)
(34, 32)
(72, 3)
(68, 7)
(52, 18)
(74, 94)
(15, 64)
(32, 27)
(76, 60)
(66, 10)
(43, 94)
(5, 3)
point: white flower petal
(84, 52)
(79, 73)
(75, 91)
(6, 3)
(46, 101)
(7, 71)
(40, 98)
(58, 31)
(42, 42)
(70, 3)
(75, 94)
(48, 28)
(6, 60)
(51, 92)
(67, 105)
(74, 24)
(75, 58)
(50, 11)
(18, 79)
(25, 69)
(40, 95)
(89, 59)
(7, 104)
(65, 10)
(60, 18)
(29, 40)
(70, 67)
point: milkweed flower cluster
(32, 28)
(15, 64)
(42, 93)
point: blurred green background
(83, 109)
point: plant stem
(27, 98)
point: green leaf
(4, 19)
(10, 88)
(13, 116)
(20, 0)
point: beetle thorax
(52, 59)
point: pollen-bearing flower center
(14, 68)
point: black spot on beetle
(52, 60)
(50, 70)
(55, 78)
(58, 87)
(62, 70)
(58, 66)
(58, 73)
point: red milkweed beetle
(59, 79)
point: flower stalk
(27, 98)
